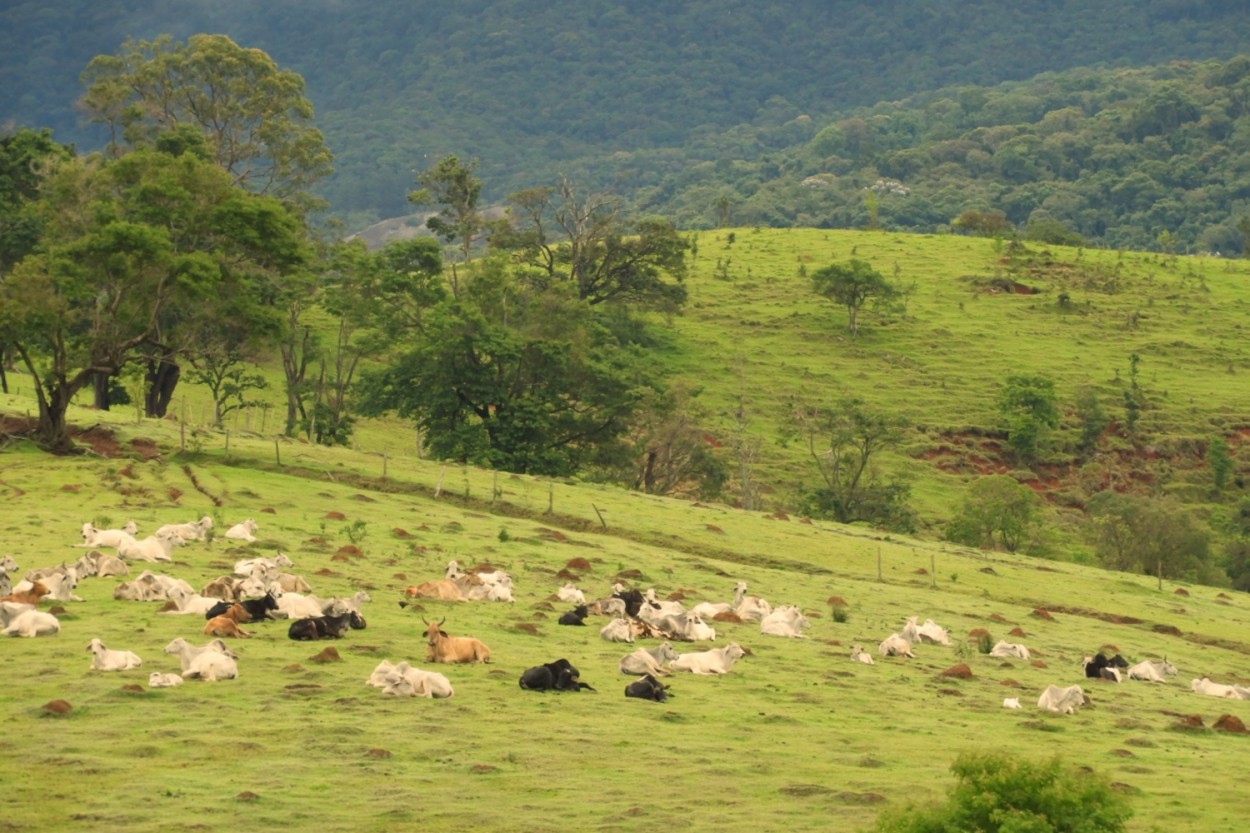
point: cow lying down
(553, 676)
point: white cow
(930, 631)
(96, 563)
(715, 661)
(187, 653)
(858, 654)
(158, 680)
(749, 608)
(152, 548)
(1065, 700)
(1152, 671)
(190, 531)
(60, 584)
(380, 672)
(569, 593)
(649, 660)
(112, 538)
(1009, 650)
(1228, 692)
(297, 606)
(24, 620)
(406, 681)
(895, 646)
(617, 630)
(685, 627)
(262, 566)
(245, 531)
(103, 659)
(786, 620)
(188, 604)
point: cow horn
(423, 620)
(441, 621)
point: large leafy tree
(996, 510)
(24, 155)
(211, 98)
(580, 239)
(453, 185)
(253, 116)
(513, 376)
(853, 285)
(845, 443)
(1155, 536)
(1028, 405)
(125, 242)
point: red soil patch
(269, 510)
(1230, 723)
(577, 564)
(400, 576)
(57, 707)
(1016, 632)
(69, 487)
(134, 688)
(350, 550)
(920, 571)
(836, 601)
(527, 627)
(1037, 663)
(998, 617)
(1042, 613)
(334, 516)
(1010, 682)
(1191, 721)
(1217, 595)
(781, 516)
(145, 448)
(568, 575)
(293, 667)
(328, 654)
(1181, 591)
(378, 753)
(715, 528)
(807, 521)
(401, 533)
(553, 534)
(726, 616)
(977, 633)
(325, 571)
(959, 671)
(1167, 629)
(629, 575)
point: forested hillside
(614, 94)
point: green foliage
(997, 510)
(853, 285)
(985, 644)
(1093, 420)
(1000, 793)
(253, 118)
(1148, 535)
(983, 223)
(1219, 461)
(454, 185)
(1028, 406)
(844, 442)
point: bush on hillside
(1000, 793)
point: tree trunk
(162, 377)
(100, 388)
(53, 432)
(4, 380)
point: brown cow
(444, 648)
(449, 590)
(29, 596)
(224, 626)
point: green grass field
(797, 737)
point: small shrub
(356, 532)
(985, 643)
(840, 614)
(504, 537)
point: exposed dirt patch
(1190, 721)
(196, 483)
(1042, 613)
(715, 528)
(1170, 630)
(401, 533)
(1010, 683)
(1230, 723)
(334, 516)
(959, 671)
(836, 601)
(1016, 632)
(145, 448)
(527, 627)
(57, 707)
(328, 654)
(1180, 591)
(577, 564)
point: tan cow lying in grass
(716, 661)
(23, 620)
(103, 659)
(444, 648)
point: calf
(1099, 667)
(576, 616)
(102, 659)
(553, 676)
(188, 654)
(1009, 650)
(786, 620)
(647, 687)
(244, 531)
(858, 654)
(257, 609)
(23, 620)
(158, 680)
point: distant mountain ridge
(537, 90)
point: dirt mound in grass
(1230, 723)
(959, 671)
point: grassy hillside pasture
(797, 737)
(755, 329)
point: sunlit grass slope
(796, 738)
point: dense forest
(681, 107)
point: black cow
(647, 687)
(326, 627)
(633, 600)
(553, 676)
(256, 608)
(1101, 668)
(576, 616)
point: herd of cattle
(262, 589)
